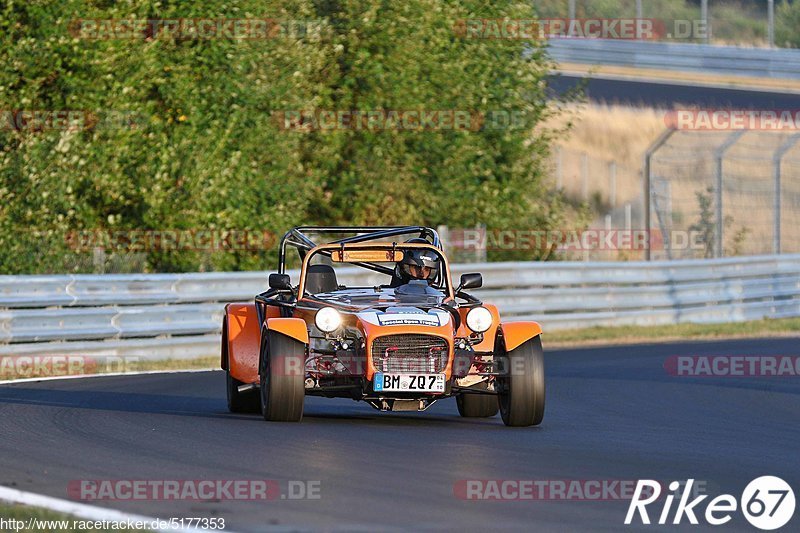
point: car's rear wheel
(472, 405)
(281, 375)
(521, 391)
(240, 402)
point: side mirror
(280, 282)
(471, 281)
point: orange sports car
(375, 316)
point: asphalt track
(670, 95)
(612, 413)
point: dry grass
(592, 136)
(604, 134)
(621, 133)
(603, 336)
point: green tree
(204, 153)
(787, 23)
(706, 226)
(208, 153)
(408, 55)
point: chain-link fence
(596, 181)
(715, 194)
(711, 194)
(613, 194)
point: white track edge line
(80, 510)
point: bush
(787, 25)
(208, 153)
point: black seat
(320, 278)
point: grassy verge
(788, 327)
(39, 518)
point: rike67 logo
(767, 503)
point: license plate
(408, 382)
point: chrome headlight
(328, 319)
(479, 319)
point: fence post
(559, 167)
(444, 238)
(628, 217)
(777, 159)
(612, 186)
(771, 23)
(480, 253)
(585, 175)
(719, 156)
(704, 18)
(658, 143)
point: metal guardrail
(711, 59)
(179, 315)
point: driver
(416, 264)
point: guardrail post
(719, 156)
(777, 159)
(658, 143)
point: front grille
(410, 353)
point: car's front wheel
(282, 369)
(472, 405)
(521, 390)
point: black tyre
(241, 402)
(521, 391)
(477, 405)
(282, 378)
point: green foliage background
(787, 24)
(208, 154)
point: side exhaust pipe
(247, 387)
